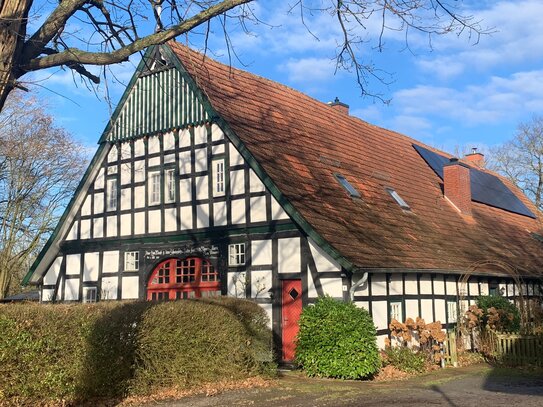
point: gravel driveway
(478, 385)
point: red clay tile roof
(301, 142)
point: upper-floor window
(218, 177)
(131, 261)
(169, 187)
(154, 188)
(111, 194)
(347, 185)
(236, 254)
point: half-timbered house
(209, 180)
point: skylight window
(398, 199)
(348, 187)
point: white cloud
(517, 37)
(497, 100)
(309, 69)
(414, 125)
(442, 67)
(371, 114)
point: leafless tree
(40, 166)
(75, 33)
(521, 159)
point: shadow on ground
(478, 385)
(520, 381)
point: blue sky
(450, 95)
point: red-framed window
(192, 277)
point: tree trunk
(13, 21)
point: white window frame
(169, 185)
(452, 312)
(236, 254)
(219, 180)
(93, 297)
(396, 311)
(131, 261)
(399, 200)
(154, 183)
(351, 190)
(112, 185)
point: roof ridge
(185, 48)
(240, 71)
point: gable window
(218, 177)
(154, 188)
(396, 311)
(236, 254)
(111, 194)
(353, 193)
(89, 294)
(131, 261)
(452, 311)
(398, 199)
(169, 187)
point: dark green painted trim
(257, 168)
(437, 271)
(207, 234)
(68, 209)
(141, 66)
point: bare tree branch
(106, 32)
(122, 54)
(40, 166)
(521, 159)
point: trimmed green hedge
(79, 352)
(337, 339)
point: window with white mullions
(396, 311)
(131, 261)
(169, 187)
(90, 294)
(154, 188)
(111, 194)
(452, 311)
(218, 177)
(236, 254)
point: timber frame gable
(112, 135)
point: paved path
(471, 386)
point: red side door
(290, 311)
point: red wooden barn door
(290, 310)
(174, 279)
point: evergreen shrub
(68, 354)
(337, 339)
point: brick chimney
(457, 188)
(339, 106)
(475, 158)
